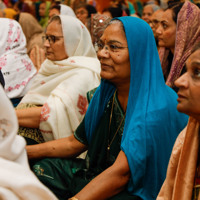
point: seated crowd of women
(103, 125)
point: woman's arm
(109, 183)
(65, 147)
(29, 117)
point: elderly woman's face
(189, 87)
(114, 55)
(166, 32)
(55, 50)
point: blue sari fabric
(152, 121)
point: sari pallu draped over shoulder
(182, 166)
(152, 121)
(61, 86)
(187, 35)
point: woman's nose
(159, 30)
(104, 52)
(46, 43)
(182, 81)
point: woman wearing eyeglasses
(56, 103)
(129, 128)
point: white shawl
(61, 86)
(66, 10)
(17, 68)
(16, 179)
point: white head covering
(77, 37)
(16, 179)
(66, 10)
(17, 68)
(61, 86)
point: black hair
(57, 7)
(91, 9)
(175, 6)
(114, 11)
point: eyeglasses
(108, 47)
(51, 38)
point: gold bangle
(73, 198)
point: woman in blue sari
(129, 128)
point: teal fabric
(66, 177)
(152, 121)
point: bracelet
(73, 198)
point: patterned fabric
(66, 177)
(32, 135)
(17, 68)
(152, 121)
(179, 182)
(187, 35)
(97, 26)
(61, 86)
(17, 181)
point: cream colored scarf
(61, 88)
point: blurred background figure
(155, 21)
(98, 23)
(33, 33)
(113, 12)
(60, 9)
(177, 33)
(16, 66)
(44, 13)
(83, 12)
(148, 11)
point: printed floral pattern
(45, 113)
(82, 104)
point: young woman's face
(55, 50)
(166, 31)
(114, 55)
(42, 9)
(189, 87)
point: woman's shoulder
(90, 94)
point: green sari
(66, 177)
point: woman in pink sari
(178, 32)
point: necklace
(109, 144)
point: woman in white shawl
(16, 179)
(15, 65)
(61, 9)
(57, 103)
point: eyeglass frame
(49, 38)
(107, 47)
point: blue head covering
(152, 121)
